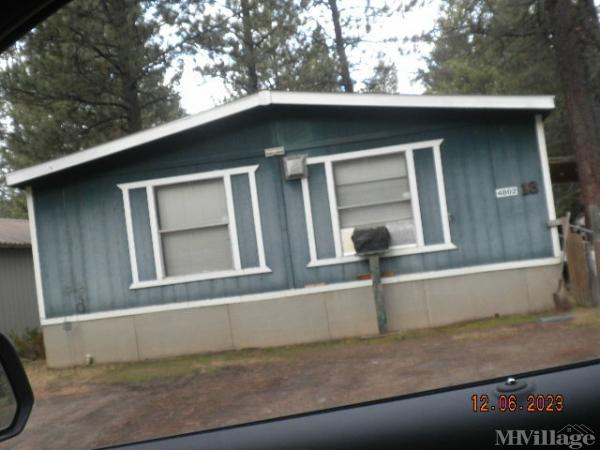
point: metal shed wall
(18, 304)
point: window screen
(193, 227)
(374, 192)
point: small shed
(18, 305)
(190, 237)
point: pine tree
(341, 42)
(315, 68)
(573, 31)
(507, 47)
(95, 71)
(253, 44)
(350, 21)
(384, 79)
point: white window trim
(35, 250)
(543, 153)
(161, 278)
(439, 175)
(156, 241)
(200, 277)
(414, 197)
(397, 251)
(410, 249)
(333, 207)
(232, 226)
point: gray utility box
(294, 167)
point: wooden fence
(582, 262)
(576, 249)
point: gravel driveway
(82, 413)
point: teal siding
(240, 185)
(319, 203)
(140, 221)
(81, 224)
(428, 197)
(479, 154)
(83, 246)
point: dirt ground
(103, 405)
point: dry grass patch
(587, 317)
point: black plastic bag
(371, 240)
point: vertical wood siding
(81, 225)
(319, 202)
(242, 203)
(429, 201)
(140, 221)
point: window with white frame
(374, 191)
(192, 227)
(375, 187)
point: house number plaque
(510, 191)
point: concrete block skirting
(302, 318)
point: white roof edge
(524, 102)
(265, 98)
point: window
(373, 192)
(376, 187)
(184, 228)
(194, 227)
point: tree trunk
(572, 29)
(127, 61)
(340, 46)
(249, 50)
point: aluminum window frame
(408, 249)
(415, 209)
(231, 230)
(161, 278)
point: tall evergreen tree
(315, 68)
(508, 47)
(277, 44)
(94, 71)
(258, 44)
(384, 79)
(341, 43)
(350, 22)
(573, 31)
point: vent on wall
(294, 167)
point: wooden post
(578, 265)
(594, 212)
(378, 293)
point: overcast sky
(199, 93)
